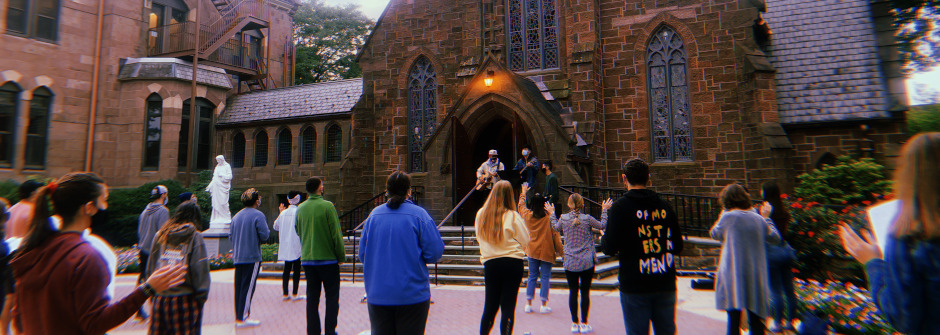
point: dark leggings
(584, 277)
(288, 267)
(501, 278)
(755, 322)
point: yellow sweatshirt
(515, 238)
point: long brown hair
(779, 213)
(576, 203)
(68, 195)
(500, 200)
(917, 186)
(186, 213)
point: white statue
(218, 190)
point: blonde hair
(917, 186)
(498, 203)
(576, 203)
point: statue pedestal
(217, 239)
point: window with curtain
(334, 143)
(37, 130)
(238, 150)
(9, 102)
(666, 64)
(308, 142)
(284, 147)
(154, 115)
(33, 18)
(261, 148)
(202, 137)
(532, 34)
(422, 111)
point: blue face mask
(525, 152)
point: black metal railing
(696, 213)
(180, 37)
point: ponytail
(67, 195)
(396, 188)
(576, 202)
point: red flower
(866, 202)
(810, 234)
(784, 196)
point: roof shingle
(328, 98)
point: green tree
(918, 32)
(848, 181)
(925, 117)
(327, 40)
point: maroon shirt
(60, 289)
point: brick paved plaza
(456, 310)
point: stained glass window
(284, 145)
(670, 119)
(422, 111)
(532, 34)
(334, 143)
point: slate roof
(319, 99)
(827, 61)
(172, 68)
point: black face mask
(99, 219)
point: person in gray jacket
(179, 309)
(150, 221)
(743, 282)
(249, 229)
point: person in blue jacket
(398, 240)
(905, 283)
(528, 167)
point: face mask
(99, 219)
(492, 160)
(543, 170)
(525, 152)
(165, 200)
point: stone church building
(709, 92)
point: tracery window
(533, 34)
(667, 75)
(422, 111)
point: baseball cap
(493, 152)
(156, 192)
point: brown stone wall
(882, 140)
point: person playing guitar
(488, 172)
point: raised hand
(525, 187)
(765, 209)
(863, 250)
(167, 277)
(550, 208)
(606, 204)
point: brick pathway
(456, 310)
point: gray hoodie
(151, 220)
(184, 244)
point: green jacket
(551, 188)
(318, 227)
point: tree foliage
(848, 181)
(919, 32)
(327, 40)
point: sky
(373, 9)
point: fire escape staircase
(237, 16)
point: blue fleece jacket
(396, 246)
(906, 285)
(249, 229)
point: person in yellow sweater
(545, 244)
(503, 237)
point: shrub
(814, 234)
(848, 308)
(922, 119)
(849, 181)
(8, 190)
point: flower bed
(849, 309)
(128, 261)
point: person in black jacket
(643, 231)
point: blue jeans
(781, 287)
(543, 271)
(641, 308)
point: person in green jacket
(322, 250)
(551, 186)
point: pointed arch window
(422, 111)
(154, 115)
(284, 145)
(238, 150)
(334, 143)
(308, 143)
(533, 34)
(9, 102)
(261, 148)
(37, 130)
(667, 75)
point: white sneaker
(545, 310)
(575, 329)
(247, 323)
(528, 308)
(586, 329)
(299, 297)
(286, 298)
